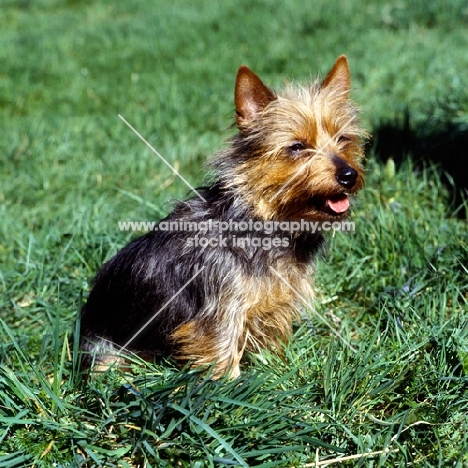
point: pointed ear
(251, 96)
(339, 77)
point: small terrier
(199, 294)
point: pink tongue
(339, 205)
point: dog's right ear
(251, 96)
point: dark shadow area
(444, 143)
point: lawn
(392, 391)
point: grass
(396, 289)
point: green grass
(396, 289)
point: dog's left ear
(339, 77)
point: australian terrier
(218, 283)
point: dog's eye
(297, 147)
(343, 139)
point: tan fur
(306, 114)
(254, 313)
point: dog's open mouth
(336, 205)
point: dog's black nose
(346, 176)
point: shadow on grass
(444, 143)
